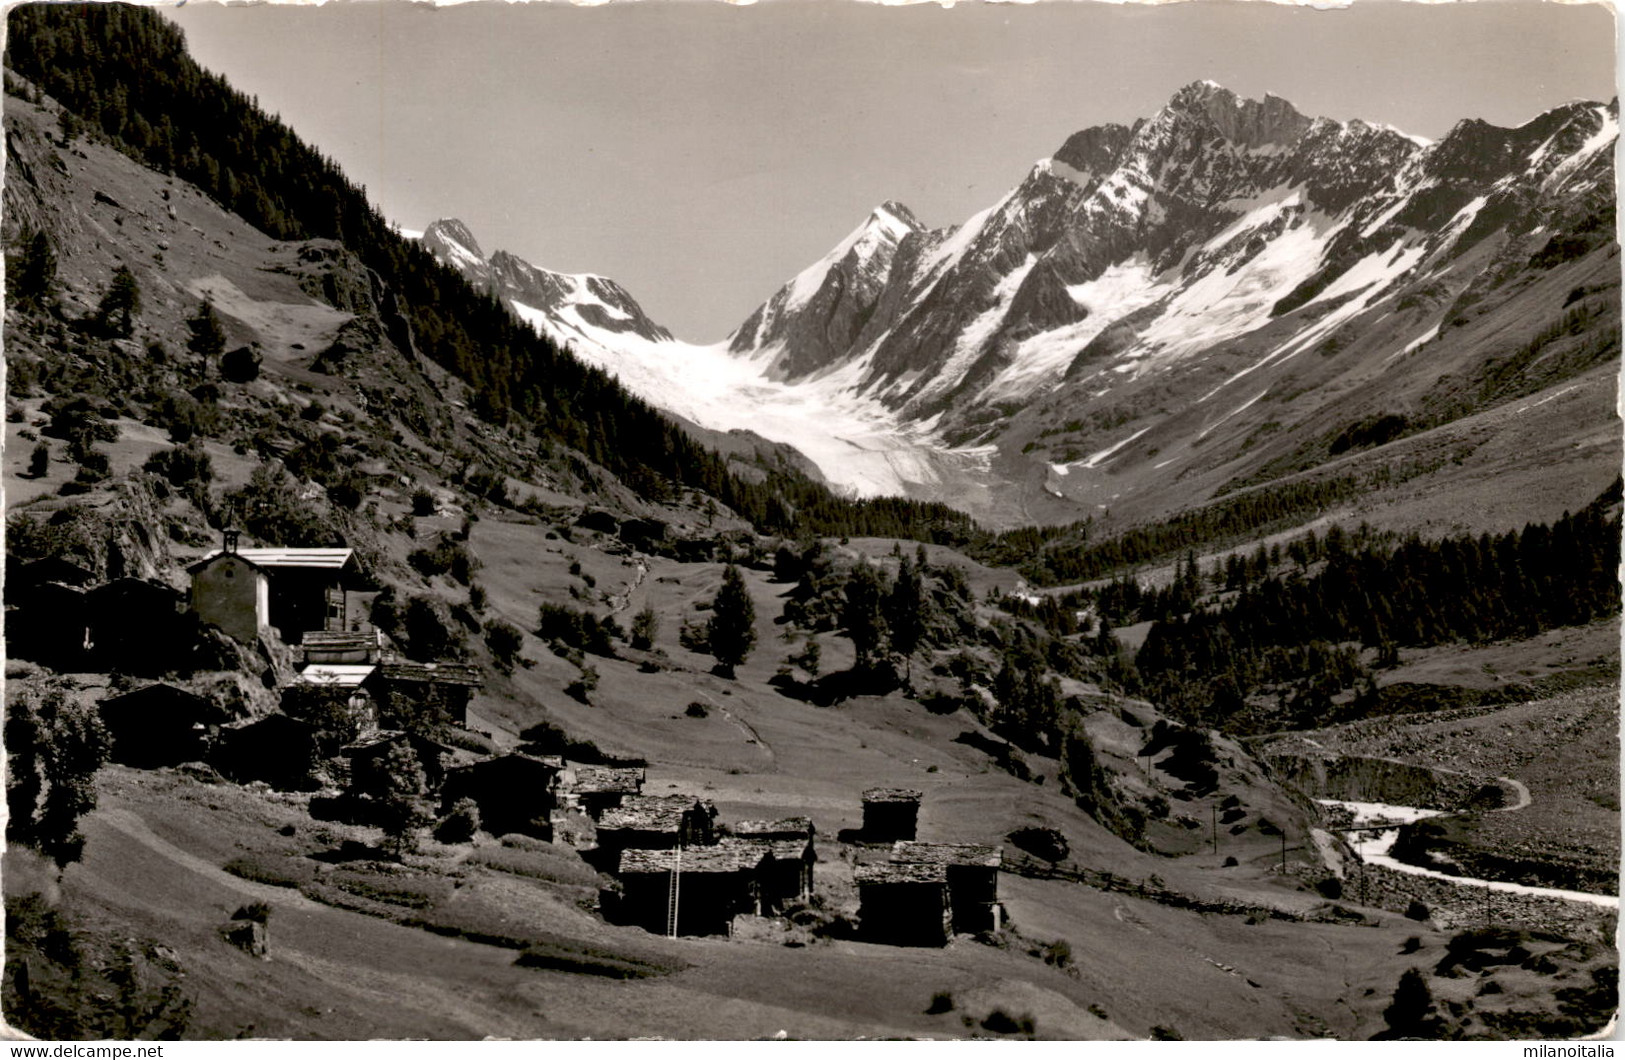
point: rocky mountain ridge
(1158, 279)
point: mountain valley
(1235, 474)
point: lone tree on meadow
(733, 622)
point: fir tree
(733, 622)
(1411, 1015)
(904, 612)
(33, 283)
(116, 312)
(862, 615)
(208, 339)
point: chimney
(229, 540)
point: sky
(703, 153)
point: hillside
(211, 835)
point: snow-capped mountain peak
(1175, 270)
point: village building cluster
(676, 869)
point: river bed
(1373, 849)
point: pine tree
(1411, 1014)
(402, 806)
(208, 339)
(862, 615)
(34, 281)
(733, 622)
(904, 612)
(121, 304)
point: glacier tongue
(861, 447)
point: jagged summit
(582, 300)
(453, 237)
(1244, 122)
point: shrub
(645, 627)
(1001, 1022)
(461, 824)
(504, 640)
(1046, 843)
(696, 709)
(186, 467)
(941, 1001)
(39, 462)
(577, 629)
(1417, 911)
(422, 502)
(1058, 953)
(583, 687)
(258, 912)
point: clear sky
(703, 153)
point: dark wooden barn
(50, 625)
(136, 627)
(369, 754)
(890, 814)
(515, 792)
(22, 579)
(414, 695)
(903, 905)
(161, 725)
(789, 876)
(277, 749)
(714, 885)
(973, 879)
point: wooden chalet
(515, 792)
(973, 879)
(890, 814)
(249, 591)
(161, 725)
(714, 885)
(903, 904)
